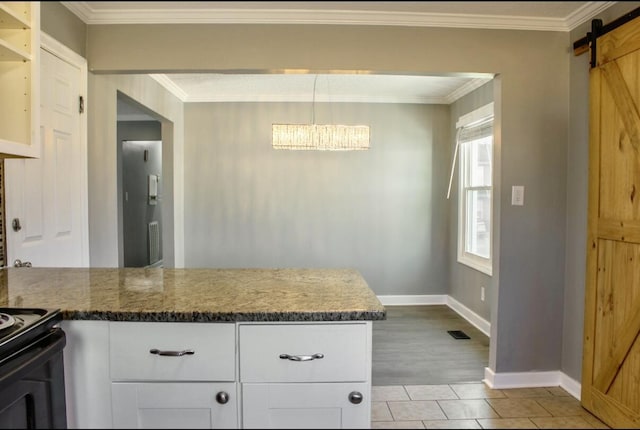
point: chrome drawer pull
(172, 353)
(301, 357)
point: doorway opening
(139, 137)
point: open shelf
(9, 52)
(10, 17)
(19, 79)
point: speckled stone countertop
(194, 295)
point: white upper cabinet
(19, 79)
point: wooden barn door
(611, 359)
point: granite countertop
(193, 295)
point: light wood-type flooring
(412, 346)
(424, 378)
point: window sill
(480, 266)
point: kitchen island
(229, 348)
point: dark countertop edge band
(209, 317)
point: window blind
(479, 130)
(467, 133)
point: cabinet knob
(222, 397)
(355, 397)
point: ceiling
(371, 88)
(335, 87)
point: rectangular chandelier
(322, 137)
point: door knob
(15, 224)
(20, 263)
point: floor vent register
(458, 334)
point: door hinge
(81, 104)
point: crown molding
(586, 12)
(184, 97)
(334, 17)
(465, 89)
(170, 86)
(80, 8)
(270, 98)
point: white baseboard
(521, 379)
(444, 299)
(410, 300)
(570, 385)
(476, 320)
(531, 379)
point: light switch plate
(517, 195)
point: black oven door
(32, 394)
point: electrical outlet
(482, 293)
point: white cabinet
(315, 375)
(19, 79)
(173, 375)
(149, 351)
(218, 375)
(342, 349)
(192, 405)
(303, 406)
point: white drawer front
(345, 350)
(213, 345)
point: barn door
(611, 359)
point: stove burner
(6, 321)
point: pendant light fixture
(320, 137)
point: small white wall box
(517, 195)
(153, 189)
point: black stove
(32, 393)
(19, 326)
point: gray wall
(64, 26)
(542, 121)
(577, 200)
(105, 211)
(381, 211)
(465, 282)
(532, 105)
(139, 130)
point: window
(475, 143)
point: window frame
(470, 259)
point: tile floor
(474, 405)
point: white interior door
(48, 196)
